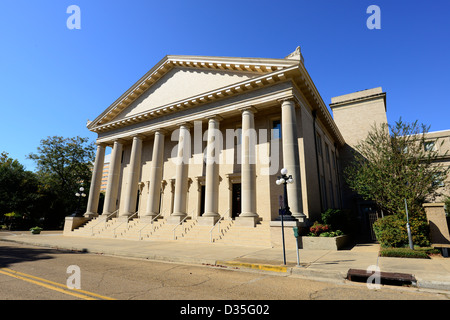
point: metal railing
(181, 222)
(125, 221)
(106, 220)
(151, 222)
(216, 224)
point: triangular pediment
(176, 78)
(181, 83)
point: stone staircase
(203, 234)
(259, 236)
(88, 228)
(227, 232)
(142, 230)
(171, 232)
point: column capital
(248, 108)
(159, 130)
(186, 124)
(119, 140)
(290, 98)
(139, 136)
(101, 144)
(215, 117)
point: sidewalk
(314, 264)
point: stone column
(291, 157)
(211, 214)
(132, 181)
(181, 177)
(154, 190)
(96, 181)
(248, 214)
(112, 187)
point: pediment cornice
(253, 65)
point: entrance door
(202, 200)
(236, 200)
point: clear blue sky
(52, 79)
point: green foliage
(338, 219)
(418, 252)
(18, 187)
(391, 165)
(447, 206)
(391, 231)
(332, 233)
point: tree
(18, 189)
(393, 164)
(64, 164)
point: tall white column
(211, 214)
(132, 178)
(96, 180)
(112, 187)
(291, 159)
(154, 192)
(248, 214)
(181, 178)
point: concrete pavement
(326, 265)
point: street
(38, 273)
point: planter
(325, 243)
(35, 230)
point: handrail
(179, 224)
(151, 222)
(217, 223)
(128, 219)
(107, 217)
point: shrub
(339, 219)
(391, 231)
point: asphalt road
(38, 273)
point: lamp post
(284, 179)
(80, 195)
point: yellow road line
(53, 285)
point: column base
(247, 221)
(175, 219)
(90, 215)
(301, 217)
(147, 219)
(208, 220)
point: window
(276, 127)
(327, 154)
(438, 180)
(429, 146)
(319, 144)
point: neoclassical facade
(204, 138)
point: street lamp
(284, 180)
(80, 195)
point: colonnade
(248, 216)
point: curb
(256, 266)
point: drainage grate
(386, 278)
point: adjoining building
(200, 140)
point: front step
(170, 232)
(203, 233)
(258, 236)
